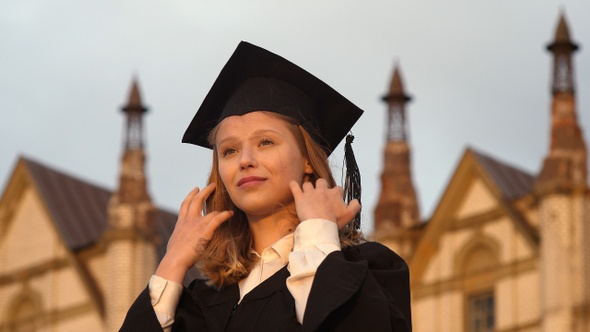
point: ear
(307, 169)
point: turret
(131, 239)
(564, 203)
(397, 209)
(565, 166)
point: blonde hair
(227, 257)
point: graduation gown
(364, 287)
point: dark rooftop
(513, 182)
(80, 208)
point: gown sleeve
(190, 315)
(141, 315)
(364, 287)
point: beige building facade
(504, 250)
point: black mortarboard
(254, 79)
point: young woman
(271, 232)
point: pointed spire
(131, 239)
(565, 166)
(397, 208)
(132, 187)
(396, 88)
(562, 34)
(396, 100)
(134, 96)
(562, 48)
(134, 110)
(134, 101)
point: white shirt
(304, 251)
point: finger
(219, 219)
(351, 211)
(187, 202)
(198, 201)
(321, 183)
(355, 206)
(307, 186)
(295, 189)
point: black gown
(361, 288)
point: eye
(227, 151)
(265, 142)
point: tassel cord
(352, 180)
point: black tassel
(352, 181)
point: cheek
(293, 169)
(224, 174)
(226, 179)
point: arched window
(24, 313)
(476, 265)
(479, 260)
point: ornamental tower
(397, 210)
(131, 239)
(565, 166)
(564, 204)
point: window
(481, 313)
(24, 314)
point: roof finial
(396, 88)
(134, 101)
(562, 35)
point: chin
(263, 208)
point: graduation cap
(254, 79)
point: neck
(267, 230)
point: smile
(250, 180)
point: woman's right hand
(192, 232)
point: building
(504, 250)
(73, 255)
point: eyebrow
(259, 132)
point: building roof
(80, 208)
(512, 182)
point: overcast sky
(477, 70)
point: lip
(250, 180)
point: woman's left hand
(321, 202)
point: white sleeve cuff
(164, 295)
(319, 233)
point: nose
(247, 159)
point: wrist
(173, 269)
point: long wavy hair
(227, 257)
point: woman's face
(258, 156)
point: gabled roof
(512, 182)
(79, 208)
(506, 183)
